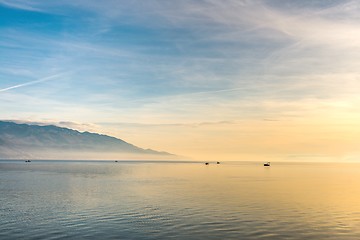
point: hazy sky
(208, 79)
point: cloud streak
(45, 79)
(185, 68)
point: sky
(206, 79)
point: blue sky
(186, 76)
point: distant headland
(25, 141)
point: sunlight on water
(139, 200)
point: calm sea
(175, 200)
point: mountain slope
(20, 141)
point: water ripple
(179, 201)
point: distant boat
(217, 162)
(267, 164)
(206, 163)
(28, 161)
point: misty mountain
(20, 141)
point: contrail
(32, 82)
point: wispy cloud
(20, 5)
(186, 68)
(45, 79)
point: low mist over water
(178, 200)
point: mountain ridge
(22, 141)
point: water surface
(167, 200)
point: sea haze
(24, 141)
(178, 200)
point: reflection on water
(54, 200)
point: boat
(206, 163)
(267, 164)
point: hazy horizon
(217, 80)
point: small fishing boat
(206, 163)
(267, 164)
